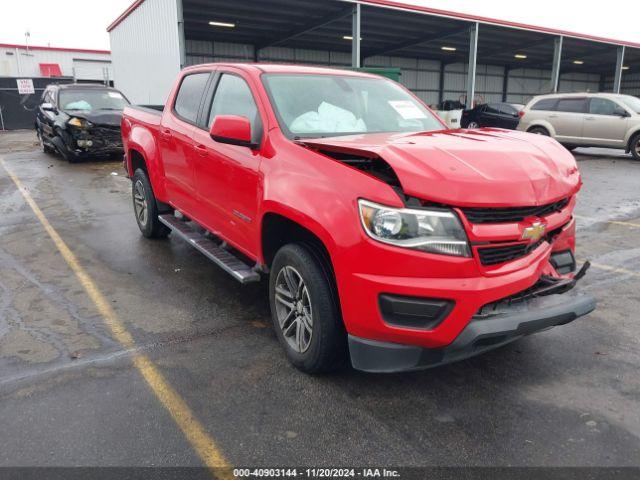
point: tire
(62, 149)
(473, 125)
(539, 131)
(306, 302)
(635, 146)
(145, 207)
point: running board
(224, 259)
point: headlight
(429, 230)
(80, 122)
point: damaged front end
(88, 138)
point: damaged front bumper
(494, 326)
(96, 141)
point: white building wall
(145, 52)
(18, 62)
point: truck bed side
(140, 135)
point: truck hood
(469, 168)
(103, 118)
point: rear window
(548, 104)
(572, 105)
(190, 95)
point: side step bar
(225, 260)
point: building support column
(617, 82)
(471, 69)
(355, 36)
(505, 83)
(443, 66)
(181, 40)
(557, 61)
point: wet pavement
(70, 395)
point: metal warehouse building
(22, 61)
(442, 55)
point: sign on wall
(25, 86)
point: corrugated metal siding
(146, 53)
(419, 75)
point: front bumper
(503, 325)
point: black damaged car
(80, 120)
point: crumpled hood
(109, 118)
(470, 168)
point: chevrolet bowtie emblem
(535, 232)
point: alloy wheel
(293, 309)
(140, 203)
(473, 125)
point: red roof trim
(492, 21)
(441, 13)
(124, 14)
(54, 49)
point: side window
(572, 105)
(508, 110)
(189, 96)
(548, 104)
(233, 97)
(602, 106)
(492, 108)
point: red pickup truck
(386, 238)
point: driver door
(227, 176)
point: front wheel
(145, 207)
(305, 310)
(473, 125)
(635, 146)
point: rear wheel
(473, 125)
(145, 207)
(305, 311)
(539, 131)
(635, 146)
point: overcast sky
(82, 23)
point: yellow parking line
(194, 432)
(615, 222)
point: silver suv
(586, 120)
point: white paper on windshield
(114, 94)
(407, 109)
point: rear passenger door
(227, 176)
(175, 141)
(568, 119)
(604, 125)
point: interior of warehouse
(437, 52)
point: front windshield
(331, 105)
(632, 102)
(91, 100)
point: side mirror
(232, 129)
(621, 112)
(47, 107)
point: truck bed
(144, 114)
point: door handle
(553, 116)
(202, 150)
(165, 134)
(589, 118)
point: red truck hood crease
(479, 168)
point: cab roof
(259, 68)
